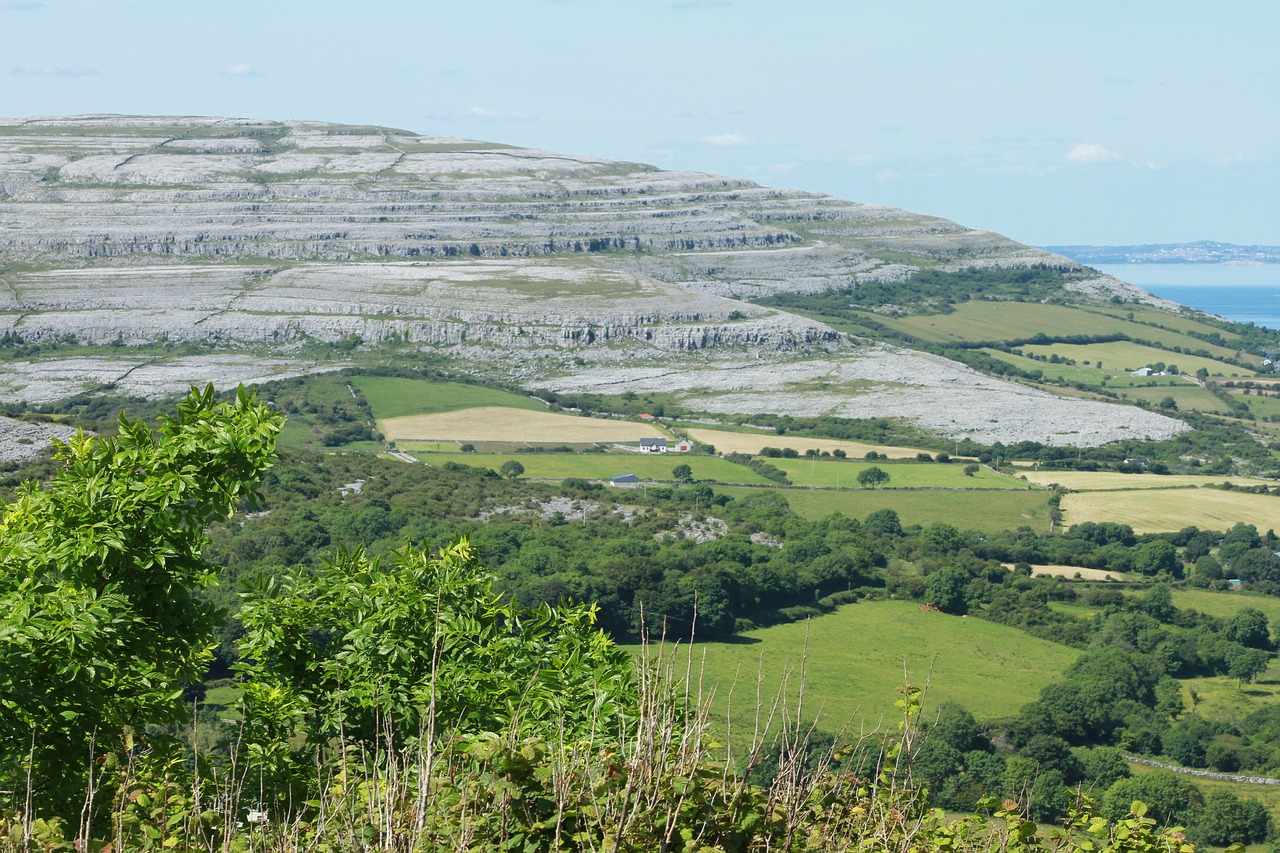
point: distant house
(645, 416)
(684, 445)
(653, 445)
(1142, 371)
(1140, 461)
(624, 480)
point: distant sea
(1246, 293)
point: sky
(1052, 122)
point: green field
(989, 510)
(843, 474)
(859, 656)
(1186, 396)
(390, 397)
(602, 466)
(1127, 355)
(1006, 321)
(1148, 315)
(1224, 604)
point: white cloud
(725, 139)
(240, 69)
(1089, 153)
(495, 115)
(482, 114)
(55, 71)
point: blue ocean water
(1246, 293)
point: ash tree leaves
(100, 571)
(421, 643)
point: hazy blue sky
(1050, 121)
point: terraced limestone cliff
(565, 271)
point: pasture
(1154, 316)
(725, 441)
(502, 423)
(602, 466)
(1005, 321)
(854, 661)
(1187, 396)
(1225, 604)
(392, 397)
(1127, 355)
(1165, 510)
(843, 474)
(989, 510)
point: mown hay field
(602, 466)
(1076, 572)
(502, 423)
(861, 655)
(843, 473)
(752, 443)
(1092, 481)
(1167, 510)
(988, 510)
(393, 397)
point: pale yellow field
(1173, 509)
(1070, 572)
(742, 442)
(499, 423)
(1087, 481)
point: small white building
(684, 445)
(653, 445)
(1141, 371)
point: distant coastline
(1243, 293)
(1199, 252)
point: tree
(1171, 799)
(1248, 664)
(872, 477)
(683, 473)
(970, 469)
(363, 648)
(1227, 819)
(1157, 557)
(1248, 627)
(511, 469)
(100, 572)
(945, 589)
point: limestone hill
(567, 272)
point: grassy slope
(859, 656)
